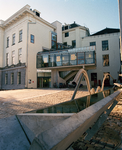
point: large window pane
(73, 60)
(58, 60)
(51, 60)
(89, 58)
(65, 59)
(81, 59)
(45, 60)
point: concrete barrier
(68, 128)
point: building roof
(106, 31)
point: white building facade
(34, 53)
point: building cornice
(22, 12)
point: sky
(94, 14)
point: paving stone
(108, 148)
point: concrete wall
(58, 26)
(114, 54)
(120, 20)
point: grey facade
(13, 70)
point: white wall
(42, 34)
(74, 34)
(58, 26)
(9, 31)
(114, 54)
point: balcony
(84, 56)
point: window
(65, 43)
(7, 59)
(105, 45)
(54, 40)
(66, 34)
(6, 78)
(32, 38)
(66, 27)
(20, 36)
(13, 39)
(12, 78)
(93, 76)
(19, 77)
(81, 58)
(92, 43)
(73, 59)
(13, 57)
(74, 43)
(105, 60)
(20, 55)
(7, 41)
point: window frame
(92, 43)
(20, 55)
(6, 79)
(66, 34)
(13, 57)
(104, 59)
(12, 78)
(13, 39)
(74, 46)
(20, 35)
(32, 40)
(7, 42)
(7, 59)
(19, 77)
(104, 45)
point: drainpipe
(27, 51)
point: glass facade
(64, 58)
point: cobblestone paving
(109, 135)
(107, 138)
(15, 105)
